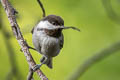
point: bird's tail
(49, 63)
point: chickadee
(48, 38)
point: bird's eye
(53, 23)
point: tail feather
(49, 64)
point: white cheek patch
(45, 24)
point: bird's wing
(40, 49)
(61, 41)
(32, 30)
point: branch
(10, 11)
(30, 74)
(14, 72)
(110, 11)
(41, 5)
(94, 59)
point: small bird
(48, 38)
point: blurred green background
(99, 21)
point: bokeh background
(99, 22)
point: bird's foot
(37, 66)
(21, 50)
(44, 60)
(32, 48)
(29, 47)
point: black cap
(55, 20)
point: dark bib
(53, 33)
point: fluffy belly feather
(50, 46)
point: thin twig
(94, 59)
(110, 11)
(42, 7)
(17, 33)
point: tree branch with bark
(10, 11)
(99, 56)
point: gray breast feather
(50, 46)
(46, 45)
